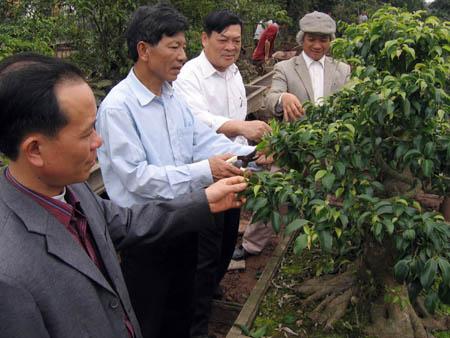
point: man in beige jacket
(311, 75)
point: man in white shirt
(213, 88)
(310, 76)
(212, 84)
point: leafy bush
(361, 161)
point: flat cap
(317, 22)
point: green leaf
(340, 168)
(276, 221)
(444, 293)
(410, 51)
(260, 203)
(401, 270)
(389, 226)
(328, 180)
(301, 242)
(344, 220)
(363, 217)
(411, 153)
(339, 191)
(357, 161)
(409, 234)
(406, 107)
(427, 168)
(414, 290)
(319, 175)
(444, 266)
(245, 330)
(295, 225)
(259, 333)
(289, 319)
(399, 151)
(350, 127)
(429, 149)
(256, 188)
(431, 302)
(326, 240)
(387, 209)
(428, 273)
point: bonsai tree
(365, 174)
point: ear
(143, 50)
(31, 150)
(205, 39)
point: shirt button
(114, 304)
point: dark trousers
(215, 248)
(160, 280)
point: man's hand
(221, 169)
(222, 195)
(254, 130)
(263, 159)
(292, 108)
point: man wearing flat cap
(309, 76)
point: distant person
(59, 272)
(265, 47)
(214, 90)
(309, 76)
(258, 31)
(362, 17)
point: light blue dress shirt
(153, 146)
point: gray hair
(301, 35)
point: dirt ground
(237, 285)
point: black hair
(217, 21)
(150, 23)
(22, 59)
(28, 102)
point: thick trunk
(445, 208)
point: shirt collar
(62, 211)
(209, 70)
(143, 94)
(309, 61)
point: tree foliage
(358, 161)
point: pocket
(186, 143)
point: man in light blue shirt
(155, 147)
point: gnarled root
(400, 319)
(431, 322)
(335, 292)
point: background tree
(440, 8)
(359, 165)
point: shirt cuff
(278, 106)
(201, 174)
(217, 122)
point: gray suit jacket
(292, 76)
(49, 287)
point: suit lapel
(100, 234)
(59, 241)
(328, 76)
(62, 245)
(303, 74)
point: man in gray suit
(309, 76)
(59, 273)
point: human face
(222, 49)
(316, 45)
(165, 59)
(69, 156)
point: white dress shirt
(316, 72)
(214, 97)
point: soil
(237, 285)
